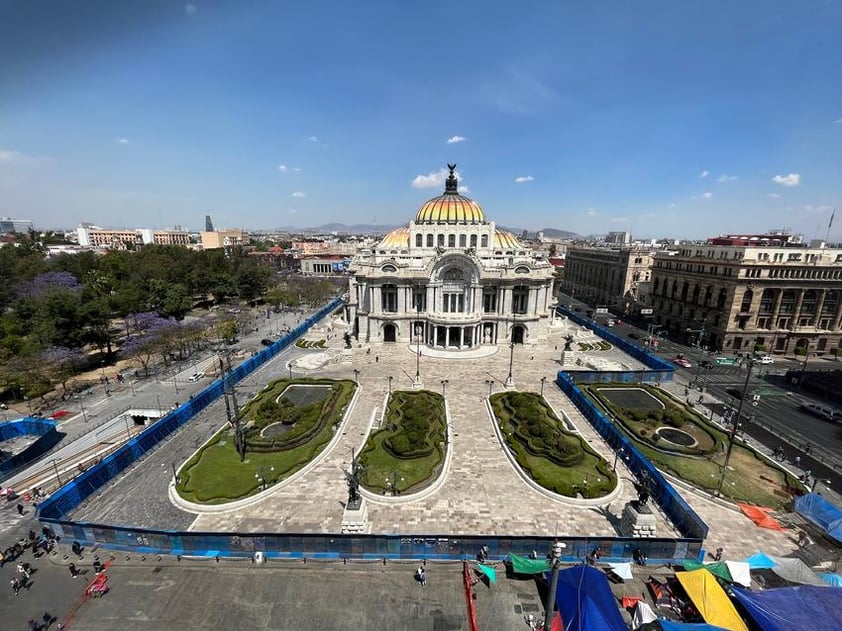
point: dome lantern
(450, 207)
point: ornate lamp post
(490, 383)
(543, 381)
(418, 332)
(555, 560)
(357, 375)
(444, 383)
(617, 454)
(390, 384)
(510, 381)
(735, 421)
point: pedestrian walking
(47, 617)
(718, 555)
(20, 509)
(73, 571)
(15, 584)
(798, 461)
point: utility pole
(735, 421)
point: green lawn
(749, 478)
(409, 450)
(215, 474)
(556, 459)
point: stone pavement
(482, 493)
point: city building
(450, 279)
(618, 238)
(615, 278)
(8, 225)
(208, 224)
(214, 239)
(100, 239)
(781, 298)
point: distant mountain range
(362, 228)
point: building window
(419, 300)
(783, 323)
(389, 298)
(473, 240)
(484, 241)
(453, 303)
(489, 300)
(520, 299)
(419, 240)
(463, 240)
(745, 307)
(441, 241)
(763, 322)
(430, 242)
(451, 240)
(767, 301)
(788, 301)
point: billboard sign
(647, 311)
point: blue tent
(669, 625)
(834, 580)
(760, 561)
(788, 608)
(822, 513)
(586, 602)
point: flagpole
(829, 224)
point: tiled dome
(451, 207)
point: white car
(196, 376)
(765, 359)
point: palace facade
(450, 279)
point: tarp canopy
(669, 625)
(490, 572)
(522, 565)
(642, 614)
(719, 569)
(822, 513)
(788, 608)
(831, 579)
(760, 561)
(796, 571)
(740, 572)
(585, 601)
(623, 570)
(711, 600)
(760, 516)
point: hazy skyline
(663, 119)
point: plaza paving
(481, 493)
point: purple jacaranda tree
(50, 281)
(148, 331)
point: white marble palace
(452, 278)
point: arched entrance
(518, 334)
(389, 333)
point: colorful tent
(490, 572)
(642, 614)
(740, 572)
(585, 601)
(760, 561)
(623, 570)
(522, 565)
(760, 516)
(796, 571)
(669, 625)
(718, 569)
(822, 513)
(710, 599)
(834, 580)
(788, 608)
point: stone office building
(778, 297)
(616, 278)
(450, 279)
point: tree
(61, 363)
(145, 337)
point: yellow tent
(711, 600)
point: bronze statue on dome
(452, 168)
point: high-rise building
(450, 279)
(7, 224)
(208, 224)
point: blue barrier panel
(688, 523)
(48, 437)
(356, 546)
(72, 494)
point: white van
(823, 411)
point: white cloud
(16, 158)
(704, 174)
(122, 141)
(619, 219)
(464, 189)
(707, 195)
(282, 168)
(435, 179)
(773, 195)
(299, 194)
(524, 178)
(190, 9)
(313, 139)
(454, 139)
(726, 178)
(591, 212)
(793, 179)
(811, 208)
(838, 121)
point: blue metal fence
(44, 428)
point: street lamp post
(390, 384)
(617, 454)
(804, 363)
(357, 375)
(735, 421)
(392, 482)
(444, 383)
(160, 409)
(701, 334)
(510, 381)
(543, 381)
(289, 366)
(175, 384)
(555, 559)
(490, 383)
(58, 477)
(128, 431)
(418, 331)
(82, 408)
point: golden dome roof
(451, 207)
(505, 240)
(397, 239)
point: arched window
(419, 240)
(484, 241)
(473, 240)
(745, 307)
(451, 240)
(767, 302)
(430, 240)
(441, 240)
(463, 240)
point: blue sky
(662, 118)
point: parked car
(266, 341)
(763, 359)
(822, 411)
(196, 376)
